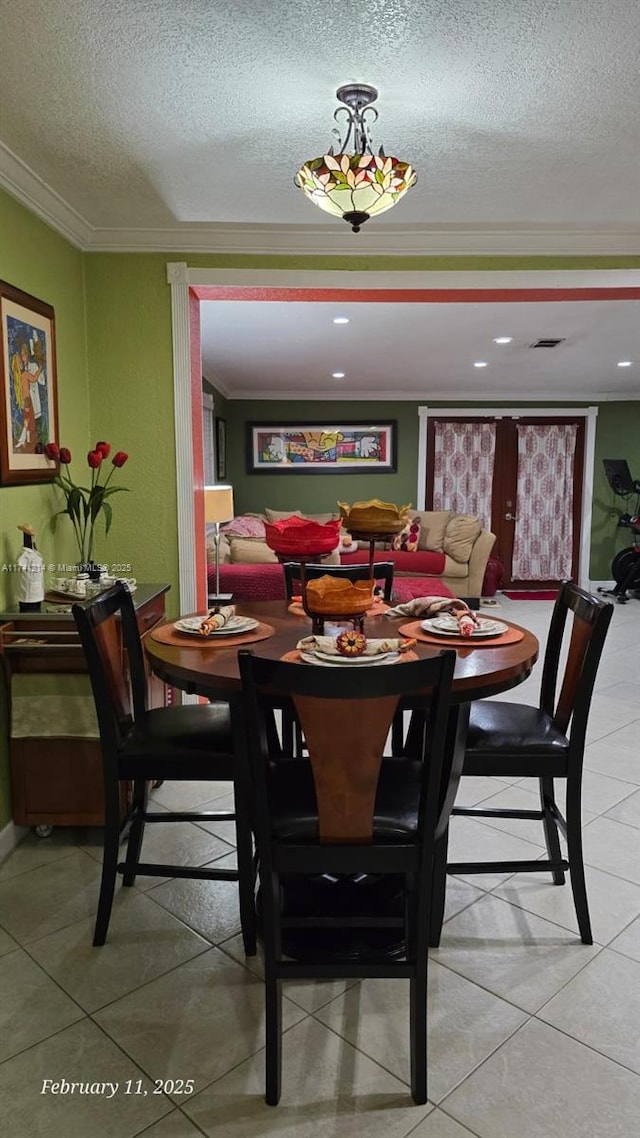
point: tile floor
(531, 1033)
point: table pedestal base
(318, 620)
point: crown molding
(400, 240)
(215, 381)
(462, 396)
(31, 191)
(326, 240)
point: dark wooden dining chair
(382, 571)
(545, 743)
(141, 746)
(332, 831)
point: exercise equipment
(625, 567)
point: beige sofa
(465, 544)
(452, 548)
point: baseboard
(10, 837)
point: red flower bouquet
(86, 503)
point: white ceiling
(268, 349)
(177, 125)
(126, 120)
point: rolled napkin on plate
(432, 606)
(328, 645)
(217, 618)
(436, 606)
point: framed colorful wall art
(28, 387)
(321, 448)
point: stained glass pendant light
(359, 184)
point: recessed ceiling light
(338, 374)
(625, 363)
(502, 339)
(341, 320)
(480, 363)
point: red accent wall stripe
(417, 295)
(198, 458)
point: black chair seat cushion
(504, 730)
(496, 725)
(192, 742)
(294, 810)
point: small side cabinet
(54, 748)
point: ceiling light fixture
(337, 375)
(503, 339)
(625, 363)
(356, 184)
(480, 363)
(341, 320)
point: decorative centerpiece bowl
(374, 517)
(333, 596)
(299, 537)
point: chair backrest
(346, 714)
(382, 571)
(569, 702)
(109, 634)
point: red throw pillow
(407, 540)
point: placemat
(293, 657)
(167, 634)
(511, 636)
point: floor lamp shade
(218, 503)
(218, 507)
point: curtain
(543, 542)
(463, 468)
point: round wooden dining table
(210, 667)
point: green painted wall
(319, 492)
(617, 436)
(131, 399)
(36, 259)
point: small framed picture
(221, 449)
(29, 390)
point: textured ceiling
(135, 124)
(422, 351)
(157, 113)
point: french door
(523, 476)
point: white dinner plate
(448, 626)
(233, 626)
(328, 660)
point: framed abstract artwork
(28, 382)
(322, 448)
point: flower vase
(92, 569)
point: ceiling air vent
(547, 343)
